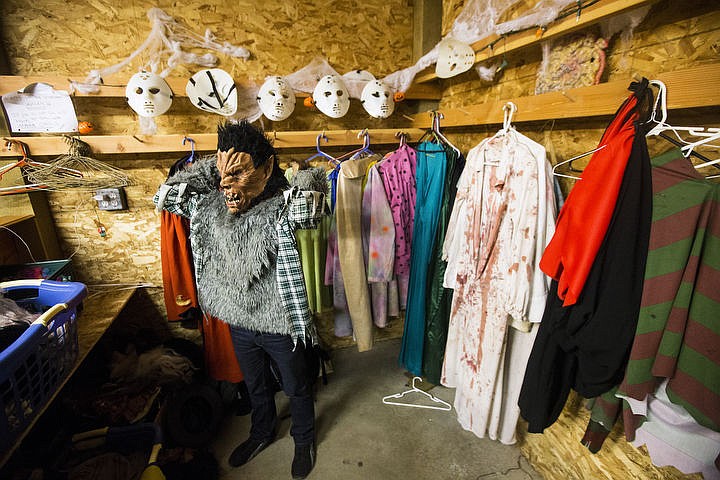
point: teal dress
(439, 299)
(430, 179)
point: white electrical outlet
(111, 199)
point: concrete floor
(359, 437)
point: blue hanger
(192, 149)
(320, 153)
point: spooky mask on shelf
(454, 58)
(377, 99)
(276, 99)
(148, 94)
(213, 90)
(331, 97)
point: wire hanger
(363, 150)
(434, 132)
(709, 134)
(436, 127)
(661, 124)
(570, 160)
(390, 399)
(26, 161)
(191, 158)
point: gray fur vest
(236, 264)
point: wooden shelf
(516, 41)
(691, 88)
(8, 220)
(204, 142)
(10, 83)
(98, 313)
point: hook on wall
(24, 149)
(403, 138)
(509, 110)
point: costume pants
(253, 350)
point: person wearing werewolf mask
(235, 204)
(240, 181)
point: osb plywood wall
(674, 35)
(69, 38)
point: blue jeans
(253, 351)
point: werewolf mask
(240, 180)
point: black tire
(192, 416)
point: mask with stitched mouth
(240, 181)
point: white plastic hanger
(709, 134)
(688, 149)
(389, 400)
(436, 117)
(661, 125)
(509, 110)
(570, 160)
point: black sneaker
(304, 460)
(246, 451)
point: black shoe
(241, 403)
(304, 460)
(246, 451)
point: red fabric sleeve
(585, 216)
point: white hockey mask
(276, 99)
(377, 99)
(454, 58)
(213, 90)
(148, 94)
(331, 97)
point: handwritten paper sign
(38, 108)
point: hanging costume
(378, 234)
(312, 247)
(397, 171)
(181, 294)
(430, 177)
(670, 395)
(176, 258)
(584, 346)
(439, 298)
(493, 242)
(350, 249)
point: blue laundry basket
(35, 365)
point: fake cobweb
(165, 47)
(169, 40)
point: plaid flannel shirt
(302, 209)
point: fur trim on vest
(236, 268)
